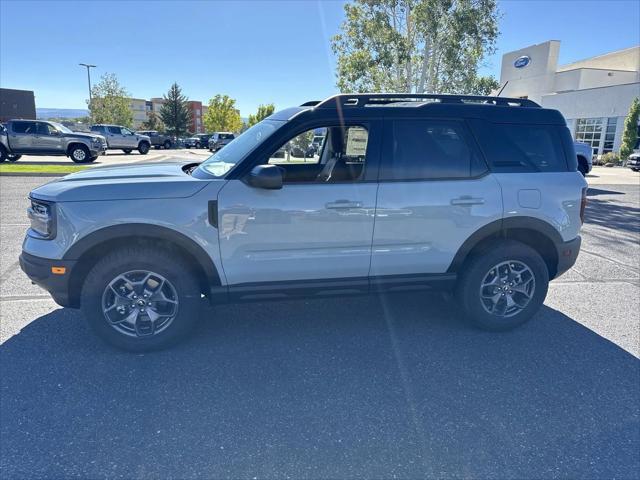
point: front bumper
(633, 163)
(39, 270)
(567, 254)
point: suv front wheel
(141, 299)
(143, 148)
(503, 287)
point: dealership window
(600, 133)
(610, 134)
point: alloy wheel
(507, 288)
(140, 303)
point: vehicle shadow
(373, 387)
(612, 214)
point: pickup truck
(121, 138)
(157, 139)
(38, 137)
(584, 152)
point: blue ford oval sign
(522, 61)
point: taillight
(583, 204)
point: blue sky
(255, 51)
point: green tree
(414, 46)
(630, 132)
(222, 116)
(110, 102)
(263, 112)
(174, 112)
(153, 123)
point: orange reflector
(58, 270)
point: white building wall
(595, 90)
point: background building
(17, 104)
(594, 94)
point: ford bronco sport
(478, 195)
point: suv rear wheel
(504, 287)
(141, 299)
(167, 144)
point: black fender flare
(144, 230)
(499, 228)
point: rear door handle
(467, 200)
(343, 204)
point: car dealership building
(594, 94)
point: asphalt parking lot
(370, 387)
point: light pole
(89, 67)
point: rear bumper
(39, 270)
(567, 254)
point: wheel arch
(536, 233)
(73, 144)
(88, 250)
(582, 160)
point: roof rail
(381, 99)
(311, 103)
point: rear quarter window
(520, 147)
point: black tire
(166, 144)
(479, 266)
(149, 259)
(197, 144)
(3, 154)
(143, 148)
(126, 151)
(79, 153)
(582, 166)
(14, 158)
(187, 146)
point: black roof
(361, 105)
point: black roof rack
(419, 99)
(312, 103)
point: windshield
(224, 160)
(61, 127)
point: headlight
(97, 141)
(42, 216)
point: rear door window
(24, 127)
(521, 148)
(430, 149)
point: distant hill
(44, 113)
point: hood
(83, 135)
(123, 182)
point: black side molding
(213, 213)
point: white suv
(479, 195)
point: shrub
(610, 158)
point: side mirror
(265, 176)
(56, 133)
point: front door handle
(467, 200)
(343, 204)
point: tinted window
(24, 127)
(430, 149)
(45, 129)
(518, 148)
(226, 136)
(96, 128)
(115, 130)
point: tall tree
(222, 115)
(110, 102)
(174, 112)
(153, 123)
(630, 132)
(263, 112)
(414, 46)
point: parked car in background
(121, 138)
(200, 140)
(493, 215)
(584, 153)
(157, 139)
(39, 137)
(219, 140)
